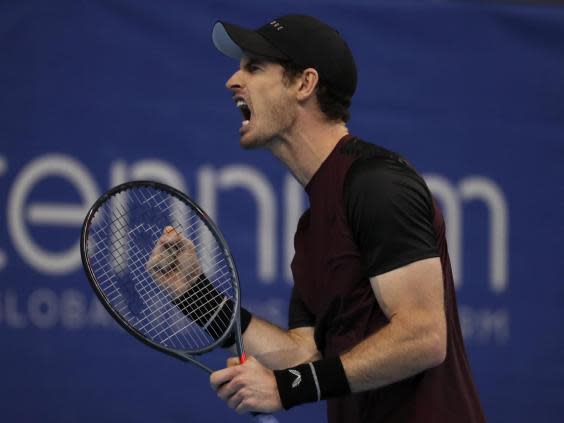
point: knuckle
(235, 400)
(225, 394)
(237, 382)
(245, 393)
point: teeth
(245, 110)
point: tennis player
(373, 325)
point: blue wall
(96, 92)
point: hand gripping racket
(163, 270)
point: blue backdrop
(95, 92)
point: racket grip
(258, 417)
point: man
(373, 325)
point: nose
(234, 82)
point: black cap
(301, 39)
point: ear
(308, 81)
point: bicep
(413, 295)
(414, 339)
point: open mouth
(245, 110)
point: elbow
(436, 347)
(436, 354)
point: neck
(304, 149)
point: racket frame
(185, 355)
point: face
(265, 100)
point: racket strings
(217, 275)
(122, 257)
(222, 292)
(164, 303)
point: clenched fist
(174, 263)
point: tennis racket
(163, 270)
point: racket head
(118, 236)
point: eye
(253, 67)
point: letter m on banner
(451, 199)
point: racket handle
(258, 417)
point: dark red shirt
(370, 213)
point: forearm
(278, 348)
(403, 348)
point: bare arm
(277, 348)
(415, 338)
(413, 341)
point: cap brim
(235, 41)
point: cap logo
(276, 25)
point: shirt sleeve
(298, 313)
(390, 211)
